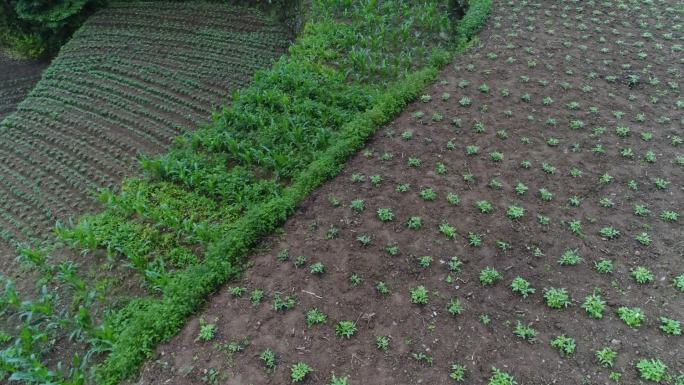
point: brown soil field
(566, 119)
(17, 77)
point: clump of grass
(299, 371)
(428, 194)
(594, 305)
(521, 286)
(236, 291)
(643, 238)
(642, 275)
(268, 358)
(280, 304)
(474, 240)
(454, 307)
(419, 295)
(604, 266)
(317, 268)
(447, 230)
(382, 288)
(484, 207)
(345, 329)
(454, 264)
(565, 345)
(556, 298)
(385, 214)
(678, 282)
(338, 380)
(207, 331)
(569, 258)
(606, 357)
(364, 239)
(526, 332)
(651, 370)
(609, 232)
(315, 317)
(670, 326)
(457, 372)
(632, 317)
(423, 357)
(500, 377)
(515, 212)
(425, 261)
(489, 276)
(453, 199)
(382, 343)
(256, 296)
(414, 223)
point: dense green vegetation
(189, 224)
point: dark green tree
(37, 27)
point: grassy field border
(157, 320)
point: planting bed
(524, 215)
(134, 77)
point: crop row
(180, 88)
(240, 52)
(206, 13)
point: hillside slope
(135, 76)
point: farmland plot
(169, 238)
(134, 77)
(521, 224)
(17, 78)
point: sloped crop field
(521, 224)
(17, 78)
(134, 77)
(123, 279)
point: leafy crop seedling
(564, 344)
(556, 298)
(345, 329)
(299, 371)
(419, 295)
(522, 287)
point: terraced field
(17, 78)
(134, 77)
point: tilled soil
(17, 77)
(561, 50)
